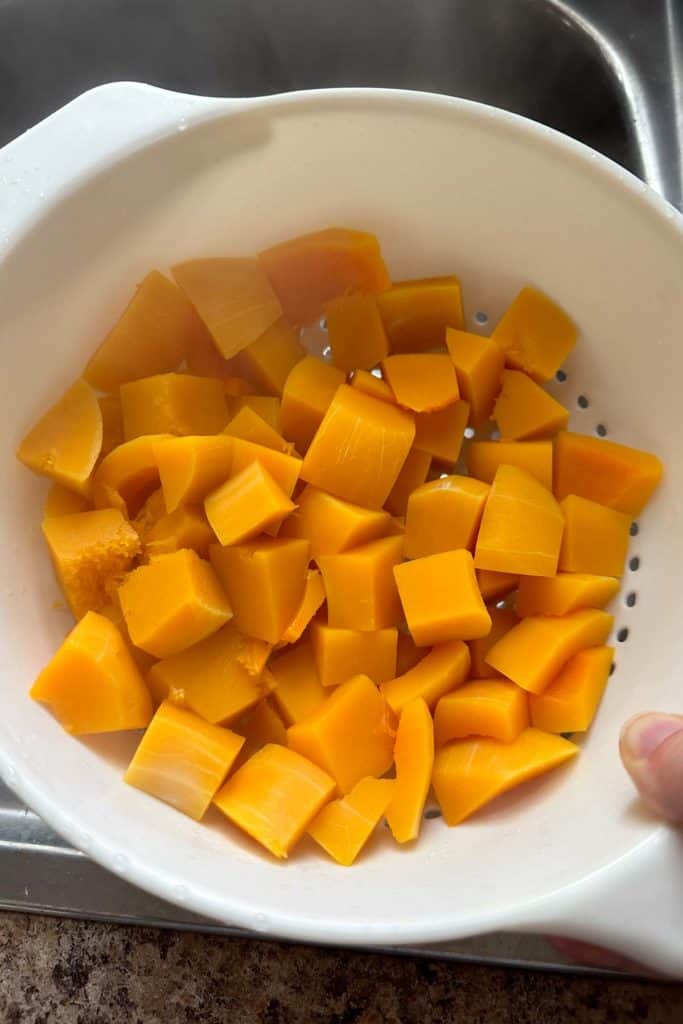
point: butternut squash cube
(441, 599)
(413, 474)
(246, 504)
(595, 538)
(66, 442)
(441, 433)
(496, 585)
(521, 528)
(204, 360)
(331, 525)
(484, 458)
(266, 406)
(187, 527)
(350, 736)
(313, 598)
(360, 586)
(485, 707)
(535, 335)
(373, 385)
(470, 773)
(444, 515)
(567, 592)
(268, 361)
(126, 477)
(274, 797)
(570, 702)
(524, 411)
(183, 760)
(173, 403)
(612, 474)
(439, 670)
(232, 296)
(355, 332)
(478, 366)
(407, 654)
(502, 620)
(144, 661)
(284, 469)
(306, 396)
(342, 653)
(414, 757)
(172, 603)
(359, 448)
(298, 690)
(264, 581)
(90, 551)
(112, 422)
(92, 684)
(309, 271)
(149, 515)
(259, 726)
(249, 426)
(60, 501)
(417, 313)
(422, 382)
(344, 826)
(533, 652)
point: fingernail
(641, 736)
(651, 747)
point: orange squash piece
(470, 773)
(66, 442)
(306, 397)
(313, 599)
(485, 707)
(204, 360)
(535, 335)
(269, 360)
(350, 736)
(264, 581)
(153, 335)
(274, 797)
(612, 474)
(266, 406)
(484, 458)
(342, 653)
(478, 366)
(187, 527)
(259, 726)
(149, 515)
(533, 652)
(249, 426)
(92, 684)
(441, 433)
(422, 382)
(360, 586)
(183, 760)
(60, 501)
(309, 271)
(413, 474)
(444, 515)
(355, 332)
(127, 476)
(570, 702)
(439, 670)
(496, 585)
(173, 403)
(284, 469)
(232, 296)
(112, 422)
(372, 384)
(297, 688)
(414, 757)
(233, 387)
(112, 611)
(595, 538)
(567, 592)
(502, 620)
(441, 599)
(172, 603)
(90, 551)
(344, 826)
(521, 528)
(417, 313)
(218, 678)
(524, 411)
(246, 504)
(407, 653)
(331, 525)
(359, 448)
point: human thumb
(651, 747)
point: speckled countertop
(68, 972)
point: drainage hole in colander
(634, 529)
(601, 430)
(634, 564)
(469, 433)
(432, 812)
(323, 323)
(481, 317)
(612, 668)
(582, 402)
(327, 352)
(560, 376)
(631, 599)
(622, 635)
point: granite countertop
(58, 971)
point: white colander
(127, 178)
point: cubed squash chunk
(485, 707)
(470, 773)
(414, 757)
(535, 457)
(66, 442)
(441, 433)
(173, 403)
(344, 826)
(570, 702)
(342, 653)
(535, 335)
(284, 469)
(502, 620)
(259, 726)
(172, 603)
(218, 678)
(232, 296)
(438, 671)
(91, 552)
(127, 476)
(417, 313)
(298, 690)
(524, 411)
(521, 528)
(264, 581)
(533, 652)
(112, 422)
(246, 504)
(567, 592)
(274, 797)
(441, 599)
(306, 397)
(350, 736)
(309, 271)
(204, 360)
(478, 366)
(183, 760)
(331, 525)
(359, 448)
(267, 407)
(407, 653)
(313, 598)
(413, 474)
(149, 515)
(422, 381)
(496, 585)
(268, 361)
(249, 426)
(60, 501)
(355, 332)
(187, 527)
(444, 515)
(360, 586)
(612, 474)
(595, 537)
(372, 384)
(92, 683)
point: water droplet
(261, 923)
